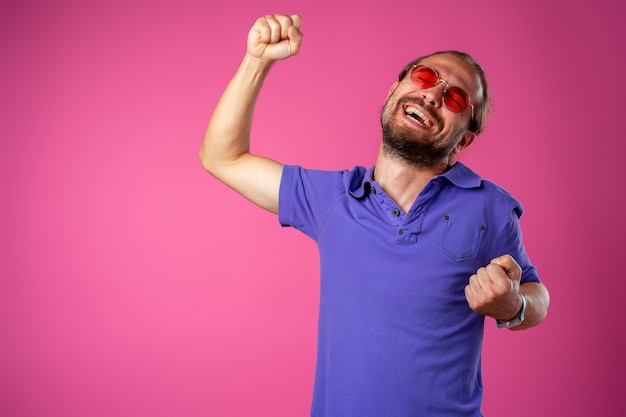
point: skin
(401, 178)
(494, 290)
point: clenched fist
(275, 37)
(494, 289)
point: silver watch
(517, 320)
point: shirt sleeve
(305, 196)
(510, 240)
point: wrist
(518, 319)
(254, 63)
(519, 305)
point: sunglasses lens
(424, 77)
(456, 99)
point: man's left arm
(496, 291)
(537, 301)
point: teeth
(418, 116)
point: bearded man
(415, 251)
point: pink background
(133, 284)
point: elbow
(217, 163)
(539, 298)
(544, 302)
(205, 159)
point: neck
(402, 181)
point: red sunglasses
(455, 98)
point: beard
(418, 151)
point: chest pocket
(461, 238)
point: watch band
(517, 320)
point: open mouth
(418, 116)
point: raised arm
(225, 152)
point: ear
(466, 140)
(392, 88)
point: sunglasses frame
(448, 86)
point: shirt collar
(459, 175)
(361, 186)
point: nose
(434, 94)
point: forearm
(225, 151)
(227, 136)
(537, 302)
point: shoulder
(467, 181)
(307, 195)
(502, 197)
(346, 179)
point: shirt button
(396, 212)
(434, 183)
(400, 231)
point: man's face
(417, 126)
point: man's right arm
(225, 152)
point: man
(414, 251)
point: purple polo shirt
(396, 335)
